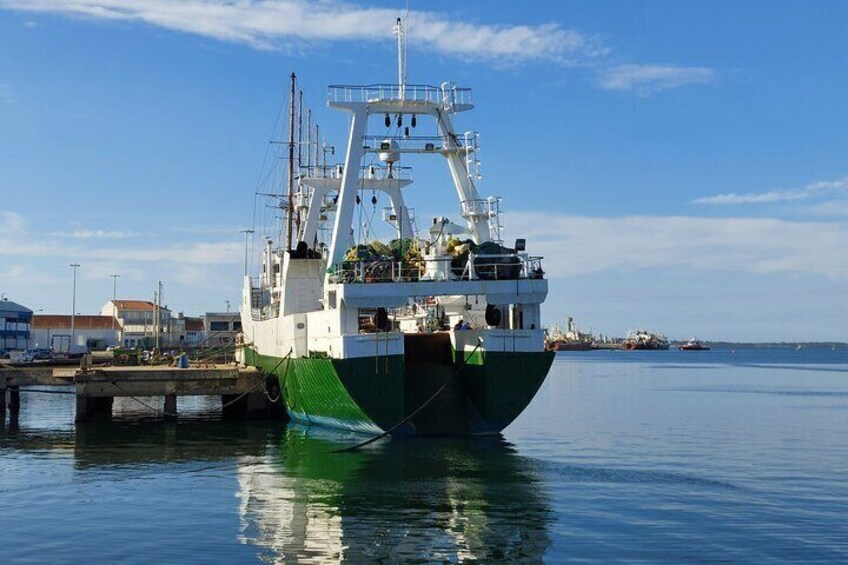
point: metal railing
(375, 271)
(378, 143)
(507, 266)
(477, 209)
(446, 95)
(373, 171)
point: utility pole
(74, 266)
(246, 233)
(159, 314)
(114, 298)
(153, 322)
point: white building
(90, 333)
(138, 323)
(194, 331)
(221, 327)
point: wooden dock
(244, 392)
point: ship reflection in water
(422, 500)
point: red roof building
(56, 322)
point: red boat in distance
(570, 340)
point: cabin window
(331, 299)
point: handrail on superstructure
(369, 171)
(445, 95)
(476, 267)
(413, 143)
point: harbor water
(663, 456)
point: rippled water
(623, 456)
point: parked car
(41, 354)
(17, 356)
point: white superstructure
(324, 293)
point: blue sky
(681, 165)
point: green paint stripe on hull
(472, 356)
(374, 393)
(314, 393)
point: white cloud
(832, 208)
(812, 190)
(203, 253)
(11, 222)
(645, 79)
(16, 241)
(582, 245)
(273, 24)
(96, 234)
(12, 272)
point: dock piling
(244, 391)
(14, 401)
(93, 408)
(170, 409)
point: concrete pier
(242, 390)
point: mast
(401, 78)
(316, 149)
(290, 209)
(309, 142)
(300, 129)
(299, 164)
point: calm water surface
(669, 456)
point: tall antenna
(406, 47)
(398, 30)
(290, 209)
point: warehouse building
(15, 321)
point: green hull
(373, 394)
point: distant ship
(644, 339)
(693, 345)
(570, 340)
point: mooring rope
(418, 410)
(43, 391)
(283, 382)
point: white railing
(373, 171)
(375, 271)
(507, 266)
(446, 95)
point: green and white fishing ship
(437, 332)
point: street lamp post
(74, 266)
(246, 233)
(114, 298)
